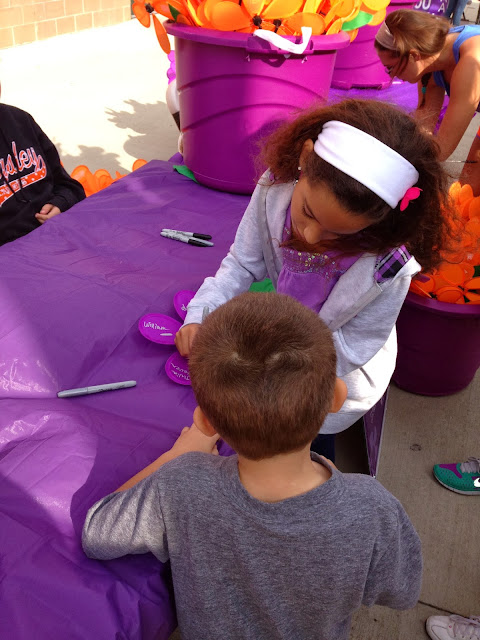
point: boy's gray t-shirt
(249, 570)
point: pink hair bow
(410, 194)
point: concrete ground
(100, 96)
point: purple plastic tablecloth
(399, 93)
(71, 294)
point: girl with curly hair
(353, 191)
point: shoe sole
(463, 493)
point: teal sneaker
(463, 477)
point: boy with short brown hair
(273, 543)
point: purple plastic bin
(235, 89)
(359, 65)
(438, 346)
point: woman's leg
(458, 12)
(471, 170)
(449, 9)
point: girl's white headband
(384, 37)
(363, 157)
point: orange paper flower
(143, 11)
(94, 182)
(457, 280)
(285, 17)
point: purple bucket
(359, 65)
(235, 89)
(438, 346)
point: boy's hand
(185, 337)
(192, 439)
(46, 212)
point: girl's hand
(185, 337)
(46, 212)
(192, 439)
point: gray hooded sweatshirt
(360, 311)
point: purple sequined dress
(310, 277)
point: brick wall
(23, 21)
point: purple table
(71, 295)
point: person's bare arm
(464, 99)
(190, 439)
(429, 105)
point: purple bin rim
(449, 309)
(245, 40)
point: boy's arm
(464, 99)
(190, 439)
(130, 520)
(395, 575)
(66, 190)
